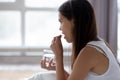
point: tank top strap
(101, 45)
(98, 45)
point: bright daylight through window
(32, 23)
(118, 30)
(7, 0)
(28, 23)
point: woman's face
(66, 26)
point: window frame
(118, 32)
(19, 5)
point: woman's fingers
(56, 44)
(49, 65)
(43, 63)
(56, 38)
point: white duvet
(47, 75)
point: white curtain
(106, 16)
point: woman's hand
(57, 47)
(49, 65)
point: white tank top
(113, 71)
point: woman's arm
(57, 49)
(82, 65)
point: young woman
(92, 58)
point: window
(118, 29)
(10, 29)
(7, 0)
(43, 3)
(28, 23)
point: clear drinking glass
(48, 55)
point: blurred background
(26, 30)
(28, 26)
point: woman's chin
(69, 41)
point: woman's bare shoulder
(90, 54)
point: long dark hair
(85, 28)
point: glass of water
(48, 56)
